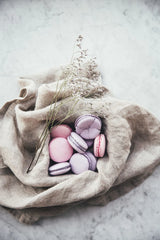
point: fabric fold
(133, 146)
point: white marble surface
(124, 36)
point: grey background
(36, 35)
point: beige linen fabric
(133, 147)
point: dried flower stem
(47, 133)
(48, 116)
(77, 60)
(44, 132)
(49, 121)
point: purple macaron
(89, 142)
(59, 168)
(82, 162)
(92, 160)
(88, 126)
(77, 142)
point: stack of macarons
(72, 150)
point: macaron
(59, 168)
(62, 130)
(77, 142)
(99, 145)
(60, 150)
(82, 162)
(92, 160)
(89, 142)
(88, 126)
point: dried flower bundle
(74, 71)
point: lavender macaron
(82, 162)
(92, 160)
(77, 142)
(88, 126)
(89, 142)
(59, 168)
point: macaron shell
(88, 126)
(79, 163)
(89, 133)
(96, 146)
(62, 130)
(92, 161)
(99, 145)
(77, 142)
(83, 117)
(59, 168)
(60, 150)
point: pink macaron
(60, 150)
(99, 145)
(62, 130)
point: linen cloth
(133, 147)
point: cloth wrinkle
(132, 143)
